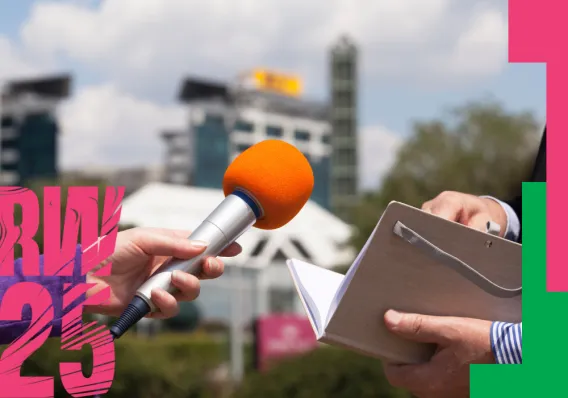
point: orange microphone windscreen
(277, 175)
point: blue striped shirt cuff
(506, 342)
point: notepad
(412, 262)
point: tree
(480, 148)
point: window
(343, 69)
(345, 156)
(302, 135)
(242, 147)
(178, 178)
(343, 128)
(211, 154)
(178, 160)
(7, 122)
(273, 131)
(244, 126)
(214, 119)
(322, 181)
(37, 147)
(9, 178)
(345, 186)
(180, 141)
(343, 99)
(10, 156)
(9, 134)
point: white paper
(317, 286)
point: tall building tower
(29, 130)
(344, 167)
(225, 119)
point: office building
(344, 167)
(226, 119)
(29, 130)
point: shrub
(326, 372)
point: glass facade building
(29, 148)
(344, 174)
(322, 169)
(211, 153)
(29, 131)
(220, 130)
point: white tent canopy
(314, 235)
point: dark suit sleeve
(517, 205)
(538, 175)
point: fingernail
(199, 244)
(214, 265)
(159, 292)
(178, 276)
(393, 317)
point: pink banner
(282, 336)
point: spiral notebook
(412, 262)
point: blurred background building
(343, 86)
(29, 129)
(224, 119)
(227, 118)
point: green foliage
(171, 365)
(326, 372)
(342, 269)
(479, 149)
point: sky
(417, 59)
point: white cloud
(142, 48)
(103, 126)
(378, 148)
(12, 63)
(149, 45)
(482, 49)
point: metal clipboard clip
(455, 263)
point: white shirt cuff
(513, 229)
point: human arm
(459, 342)
(476, 211)
(139, 252)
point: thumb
(419, 328)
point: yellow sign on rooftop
(277, 82)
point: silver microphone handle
(224, 225)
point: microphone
(266, 186)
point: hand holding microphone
(265, 187)
(138, 254)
